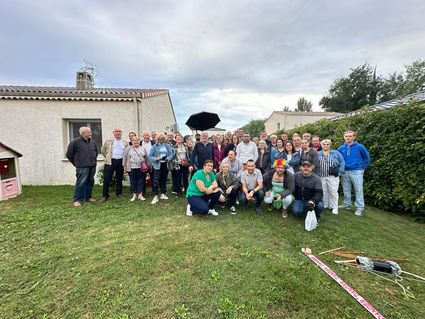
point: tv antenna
(91, 69)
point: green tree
(350, 93)
(254, 127)
(303, 105)
(415, 77)
(286, 109)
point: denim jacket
(155, 153)
(337, 160)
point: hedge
(395, 179)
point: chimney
(84, 80)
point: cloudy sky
(241, 59)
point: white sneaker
(212, 212)
(163, 196)
(233, 210)
(358, 212)
(133, 198)
(188, 211)
(335, 211)
(155, 200)
(141, 197)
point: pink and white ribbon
(346, 287)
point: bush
(395, 139)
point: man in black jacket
(202, 151)
(82, 153)
(308, 191)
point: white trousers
(330, 191)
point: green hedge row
(395, 138)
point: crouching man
(308, 191)
(252, 186)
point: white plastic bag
(310, 221)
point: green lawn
(135, 260)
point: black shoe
(103, 199)
(258, 210)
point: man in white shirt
(246, 150)
(113, 151)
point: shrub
(395, 139)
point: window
(94, 125)
(278, 126)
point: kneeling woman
(279, 185)
(203, 192)
(228, 183)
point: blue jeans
(259, 196)
(200, 205)
(356, 179)
(300, 208)
(84, 183)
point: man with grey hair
(113, 151)
(82, 153)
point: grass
(135, 260)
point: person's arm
(366, 157)
(152, 154)
(290, 185)
(201, 186)
(193, 155)
(318, 191)
(341, 161)
(170, 152)
(258, 187)
(238, 148)
(70, 153)
(315, 157)
(255, 151)
(104, 148)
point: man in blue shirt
(357, 159)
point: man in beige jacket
(113, 151)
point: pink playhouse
(10, 181)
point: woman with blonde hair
(263, 161)
(228, 184)
(135, 162)
(331, 165)
(160, 154)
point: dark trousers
(84, 183)
(181, 176)
(231, 198)
(160, 179)
(137, 181)
(200, 205)
(301, 207)
(259, 196)
(108, 172)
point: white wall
(36, 129)
(290, 121)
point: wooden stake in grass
(331, 250)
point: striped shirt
(325, 162)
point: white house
(40, 122)
(288, 120)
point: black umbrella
(202, 121)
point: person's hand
(190, 168)
(268, 194)
(311, 205)
(278, 197)
(222, 199)
(229, 190)
(158, 158)
(208, 191)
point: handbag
(170, 165)
(144, 168)
(184, 163)
(310, 221)
(334, 171)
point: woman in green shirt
(202, 189)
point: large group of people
(298, 174)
